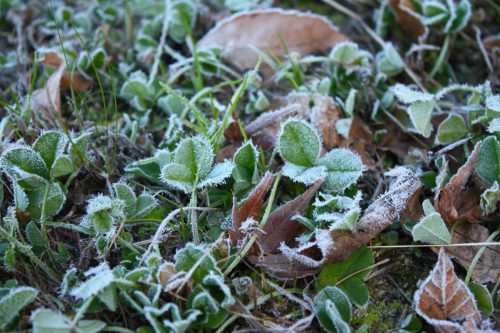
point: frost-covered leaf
(101, 277)
(187, 257)
(410, 96)
(48, 321)
(215, 284)
(451, 129)
(137, 86)
(493, 103)
(420, 114)
(90, 326)
(494, 125)
(176, 323)
(444, 301)
(150, 167)
(389, 61)
(68, 281)
(125, 193)
(333, 310)
(343, 169)
(349, 103)
(50, 145)
(304, 175)
(192, 162)
(344, 52)
(53, 204)
(490, 199)
(431, 229)
(483, 298)
(182, 18)
(177, 176)
(34, 235)
(144, 205)
(351, 271)
(299, 143)
(245, 166)
(13, 302)
(26, 166)
(488, 160)
(212, 314)
(62, 166)
(217, 175)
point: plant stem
(193, 218)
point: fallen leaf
(268, 30)
(280, 226)
(445, 302)
(487, 268)
(75, 79)
(459, 199)
(407, 18)
(251, 207)
(323, 113)
(337, 245)
(47, 100)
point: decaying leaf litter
(269, 166)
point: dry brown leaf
(75, 80)
(459, 199)
(445, 302)
(337, 245)
(267, 30)
(280, 226)
(323, 113)
(487, 268)
(251, 207)
(407, 19)
(47, 100)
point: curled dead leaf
(407, 18)
(269, 31)
(459, 199)
(445, 302)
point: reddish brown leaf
(268, 30)
(271, 119)
(444, 301)
(407, 19)
(459, 200)
(280, 227)
(251, 208)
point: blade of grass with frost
(218, 135)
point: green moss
(379, 316)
